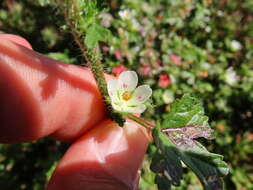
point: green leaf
(186, 111)
(51, 170)
(96, 33)
(44, 2)
(162, 183)
(62, 56)
(209, 167)
(170, 166)
(166, 163)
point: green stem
(97, 70)
(140, 121)
(92, 57)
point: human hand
(40, 97)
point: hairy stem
(141, 121)
(92, 57)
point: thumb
(108, 157)
(17, 39)
(40, 96)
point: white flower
(207, 19)
(235, 45)
(208, 29)
(220, 13)
(106, 19)
(125, 14)
(231, 77)
(125, 96)
(168, 97)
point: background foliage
(204, 47)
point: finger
(39, 96)
(108, 157)
(17, 39)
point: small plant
(193, 54)
(183, 124)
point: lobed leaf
(186, 111)
(209, 167)
(96, 33)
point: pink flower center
(139, 98)
(125, 85)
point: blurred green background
(204, 47)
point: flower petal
(127, 81)
(135, 109)
(117, 107)
(112, 87)
(141, 94)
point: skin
(40, 97)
